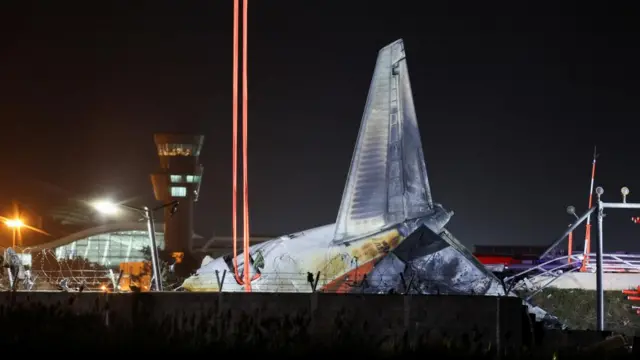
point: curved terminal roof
(99, 230)
(124, 239)
(108, 245)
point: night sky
(510, 103)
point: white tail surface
(387, 182)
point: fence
(43, 271)
(47, 273)
(616, 263)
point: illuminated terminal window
(177, 150)
(178, 191)
(193, 178)
(176, 178)
(110, 249)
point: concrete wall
(372, 321)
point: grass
(577, 309)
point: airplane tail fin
(387, 182)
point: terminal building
(109, 245)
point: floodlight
(105, 207)
(14, 223)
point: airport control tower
(178, 179)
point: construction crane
(246, 278)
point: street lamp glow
(110, 208)
(105, 207)
(14, 223)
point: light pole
(599, 249)
(14, 225)
(571, 210)
(599, 270)
(109, 208)
(559, 240)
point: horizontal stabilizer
(438, 263)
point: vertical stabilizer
(387, 182)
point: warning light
(178, 256)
